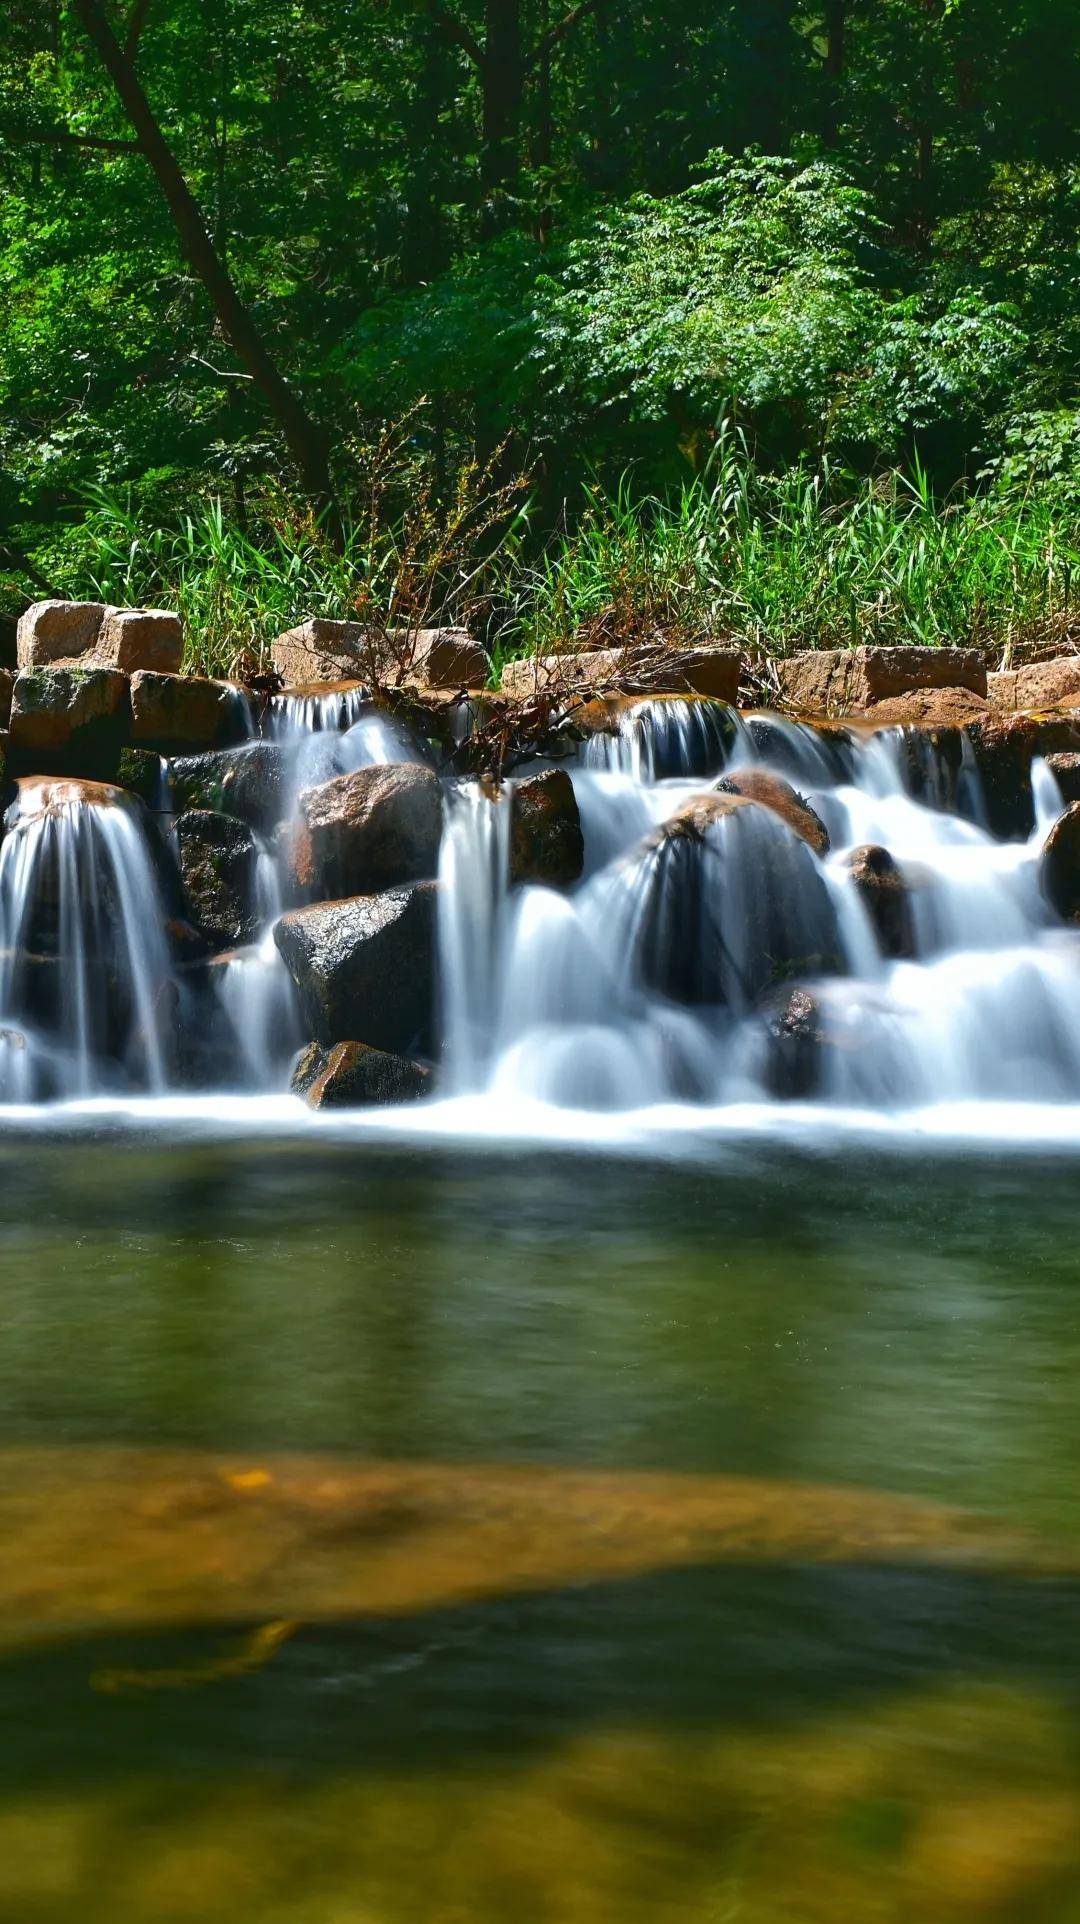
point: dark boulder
(772, 792)
(218, 859)
(352, 1075)
(884, 893)
(726, 901)
(1059, 865)
(250, 783)
(365, 967)
(376, 828)
(795, 1034)
(546, 843)
(1005, 746)
(74, 718)
(140, 772)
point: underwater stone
(365, 968)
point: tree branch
(60, 137)
(460, 34)
(136, 22)
(562, 27)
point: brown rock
(375, 828)
(178, 714)
(758, 785)
(134, 638)
(52, 794)
(840, 681)
(883, 890)
(319, 650)
(78, 713)
(713, 671)
(928, 708)
(1059, 864)
(1038, 684)
(1065, 768)
(365, 967)
(58, 631)
(546, 843)
(353, 1076)
(1004, 747)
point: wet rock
(78, 716)
(884, 893)
(175, 714)
(1059, 864)
(58, 631)
(365, 968)
(352, 1075)
(713, 671)
(7, 685)
(251, 783)
(1004, 747)
(196, 781)
(796, 1033)
(841, 681)
(218, 859)
(726, 902)
(134, 638)
(140, 772)
(758, 785)
(1039, 684)
(373, 829)
(546, 843)
(1065, 768)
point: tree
(305, 439)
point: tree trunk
(503, 78)
(305, 440)
(835, 26)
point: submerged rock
(796, 1033)
(352, 1075)
(376, 828)
(219, 859)
(884, 893)
(365, 967)
(546, 843)
(1059, 865)
(773, 793)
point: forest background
(557, 317)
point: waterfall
(84, 964)
(473, 882)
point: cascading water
(84, 964)
(666, 976)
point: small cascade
(473, 888)
(290, 717)
(84, 963)
(256, 993)
(665, 736)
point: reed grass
(806, 559)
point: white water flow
(666, 975)
(84, 963)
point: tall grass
(807, 559)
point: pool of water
(409, 1532)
